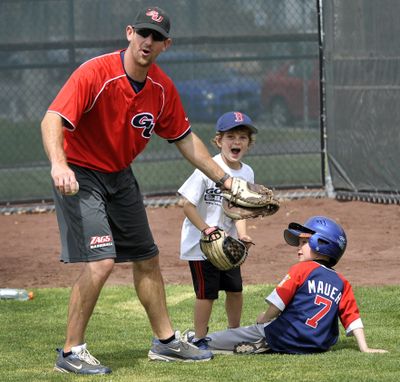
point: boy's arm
(350, 318)
(362, 343)
(270, 314)
(241, 227)
(190, 210)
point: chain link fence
(362, 88)
(260, 57)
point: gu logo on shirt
(144, 121)
(154, 15)
(100, 241)
(213, 196)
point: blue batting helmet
(326, 237)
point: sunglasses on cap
(144, 32)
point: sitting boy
(304, 308)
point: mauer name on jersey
(325, 289)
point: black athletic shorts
(106, 219)
(209, 280)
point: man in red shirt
(102, 118)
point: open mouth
(235, 151)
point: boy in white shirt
(203, 209)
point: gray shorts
(106, 219)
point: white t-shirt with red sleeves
(202, 192)
(109, 124)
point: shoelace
(187, 335)
(85, 356)
(184, 339)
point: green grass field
(120, 336)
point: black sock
(67, 353)
(168, 340)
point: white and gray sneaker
(178, 350)
(251, 347)
(79, 362)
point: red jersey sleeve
(286, 289)
(348, 310)
(76, 96)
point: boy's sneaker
(178, 350)
(251, 347)
(202, 343)
(79, 362)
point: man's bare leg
(149, 285)
(83, 298)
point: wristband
(221, 182)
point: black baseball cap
(233, 119)
(153, 18)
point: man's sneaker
(251, 347)
(178, 350)
(79, 362)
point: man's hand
(64, 179)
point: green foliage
(21, 143)
(119, 335)
(283, 157)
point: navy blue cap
(232, 119)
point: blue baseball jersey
(312, 298)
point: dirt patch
(30, 251)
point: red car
(284, 91)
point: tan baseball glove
(246, 200)
(223, 251)
(236, 212)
